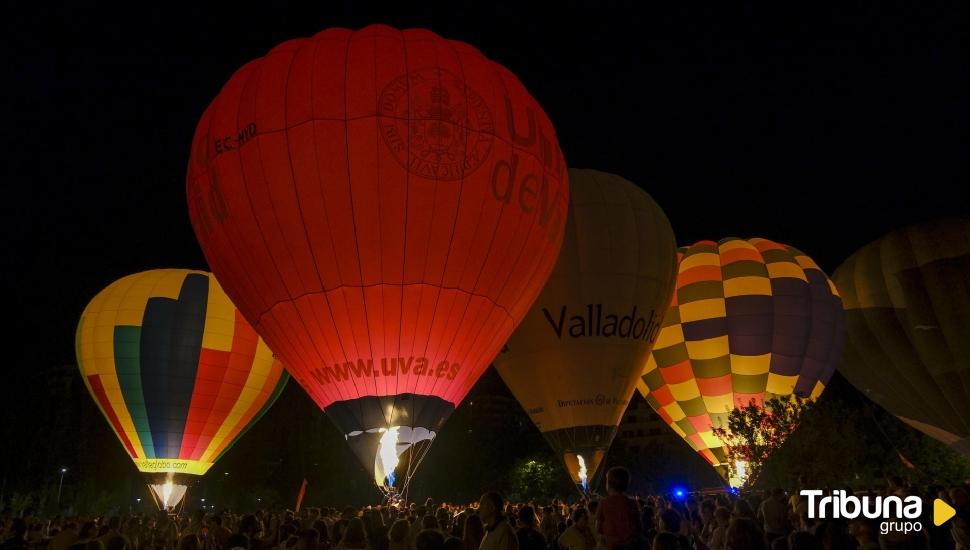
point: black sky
(821, 127)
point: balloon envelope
(907, 300)
(175, 368)
(574, 361)
(383, 206)
(750, 320)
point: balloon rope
(872, 416)
(407, 473)
(412, 471)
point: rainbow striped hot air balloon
(177, 372)
(750, 320)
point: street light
(59, 487)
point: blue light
(734, 490)
(679, 493)
(390, 479)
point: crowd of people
(774, 520)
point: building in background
(656, 456)
(642, 430)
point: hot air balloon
(750, 320)
(907, 301)
(575, 360)
(177, 371)
(383, 206)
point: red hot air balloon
(384, 206)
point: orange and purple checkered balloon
(750, 320)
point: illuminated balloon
(907, 301)
(177, 372)
(750, 320)
(575, 360)
(383, 206)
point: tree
(754, 432)
(845, 440)
(831, 448)
(535, 479)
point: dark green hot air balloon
(907, 302)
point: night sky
(818, 127)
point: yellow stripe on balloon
(711, 308)
(711, 440)
(786, 269)
(734, 244)
(710, 348)
(669, 336)
(255, 385)
(719, 403)
(781, 384)
(128, 302)
(806, 263)
(168, 282)
(700, 259)
(674, 411)
(220, 320)
(108, 306)
(685, 391)
(747, 286)
(835, 291)
(750, 364)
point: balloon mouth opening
(740, 476)
(582, 471)
(582, 464)
(168, 493)
(398, 447)
(387, 458)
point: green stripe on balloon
(744, 268)
(127, 350)
(711, 368)
(704, 290)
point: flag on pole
(299, 496)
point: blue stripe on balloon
(171, 342)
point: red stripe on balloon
(102, 397)
(720, 385)
(233, 380)
(208, 380)
(699, 274)
(741, 255)
(701, 423)
(679, 373)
